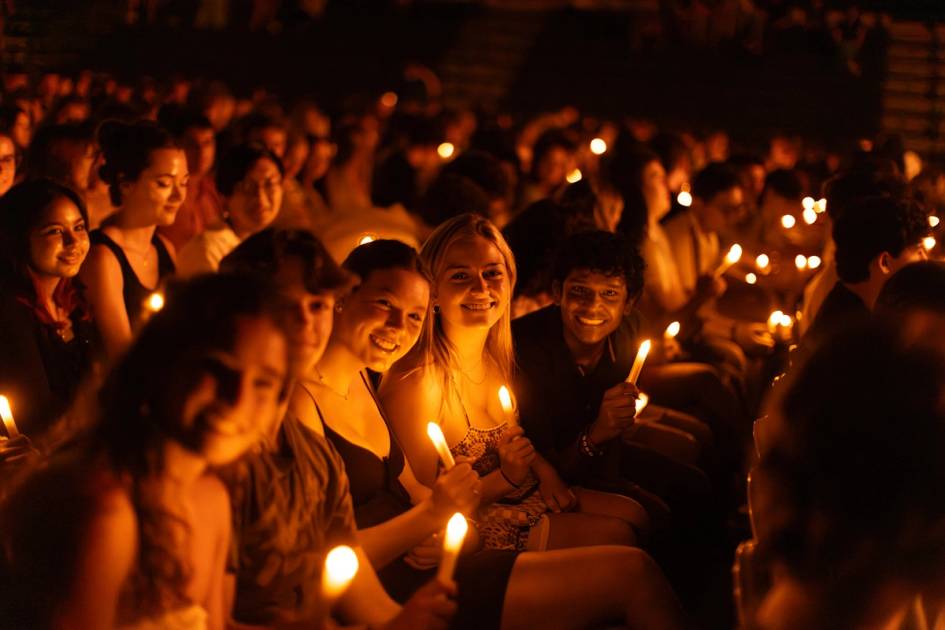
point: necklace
(327, 385)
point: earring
(338, 307)
(436, 309)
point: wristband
(587, 447)
(507, 480)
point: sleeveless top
(379, 496)
(190, 618)
(133, 292)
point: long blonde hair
(433, 350)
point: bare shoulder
(111, 535)
(102, 261)
(409, 393)
(211, 496)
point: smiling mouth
(484, 306)
(587, 321)
(70, 260)
(384, 344)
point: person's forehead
(592, 276)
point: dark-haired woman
(127, 528)
(147, 178)
(46, 332)
(250, 180)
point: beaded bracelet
(587, 447)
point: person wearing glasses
(250, 180)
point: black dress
(379, 496)
(39, 371)
(133, 292)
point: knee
(635, 567)
(616, 531)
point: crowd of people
(238, 333)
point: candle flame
(810, 217)
(928, 243)
(813, 262)
(786, 320)
(367, 238)
(774, 320)
(6, 414)
(751, 278)
(456, 530)
(672, 330)
(788, 221)
(762, 261)
(505, 399)
(439, 443)
(734, 254)
(598, 146)
(389, 100)
(934, 221)
(155, 302)
(800, 261)
(640, 403)
(341, 565)
(446, 150)
(684, 198)
(574, 176)
(807, 203)
(645, 348)
(820, 206)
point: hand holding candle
(7, 415)
(638, 362)
(439, 443)
(341, 565)
(453, 541)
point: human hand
(709, 286)
(754, 338)
(617, 410)
(516, 454)
(430, 608)
(456, 490)
(427, 554)
(16, 449)
(555, 492)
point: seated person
(874, 238)
(249, 178)
(914, 299)
(291, 499)
(849, 513)
(127, 527)
(46, 332)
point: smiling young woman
(45, 329)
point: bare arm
(411, 402)
(366, 601)
(215, 600)
(101, 275)
(104, 563)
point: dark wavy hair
(385, 254)
(601, 252)
(127, 148)
(239, 161)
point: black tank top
(376, 491)
(133, 292)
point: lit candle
(807, 203)
(598, 146)
(439, 443)
(733, 256)
(508, 407)
(366, 238)
(810, 216)
(762, 261)
(820, 206)
(155, 302)
(7, 415)
(788, 221)
(453, 541)
(751, 278)
(574, 176)
(928, 243)
(671, 331)
(934, 221)
(800, 261)
(638, 362)
(341, 565)
(813, 262)
(446, 150)
(640, 404)
(774, 320)
(684, 198)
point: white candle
(453, 541)
(341, 565)
(638, 361)
(733, 256)
(505, 399)
(439, 443)
(7, 415)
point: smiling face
(592, 306)
(160, 189)
(473, 289)
(233, 397)
(382, 318)
(59, 242)
(307, 317)
(256, 199)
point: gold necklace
(327, 385)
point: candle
(439, 443)
(684, 198)
(453, 541)
(733, 256)
(598, 146)
(366, 238)
(574, 176)
(445, 150)
(774, 320)
(671, 331)
(820, 206)
(341, 565)
(751, 278)
(762, 261)
(934, 221)
(505, 399)
(810, 216)
(807, 203)
(155, 302)
(800, 261)
(788, 221)
(640, 404)
(928, 243)
(813, 262)
(7, 415)
(638, 361)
